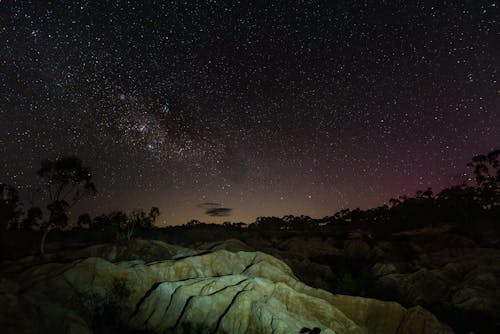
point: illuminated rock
(215, 292)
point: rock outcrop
(232, 245)
(215, 292)
(466, 284)
(29, 312)
(140, 250)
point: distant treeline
(468, 206)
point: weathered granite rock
(310, 246)
(34, 313)
(383, 269)
(317, 275)
(419, 320)
(232, 245)
(357, 248)
(140, 250)
(467, 284)
(145, 250)
(216, 292)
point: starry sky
(259, 107)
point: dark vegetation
(471, 210)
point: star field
(288, 107)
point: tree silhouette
(486, 169)
(84, 221)
(10, 211)
(10, 207)
(154, 213)
(458, 204)
(109, 222)
(65, 181)
(137, 221)
(33, 218)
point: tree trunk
(42, 243)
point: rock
(383, 269)
(422, 287)
(382, 250)
(314, 274)
(419, 320)
(433, 239)
(220, 291)
(461, 284)
(259, 243)
(309, 246)
(232, 245)
(357, 248)
(373, 315)
(234, 304)
(145, 250)
(34, 313)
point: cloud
(215, 209)
(218, 212)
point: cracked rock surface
(209, 292)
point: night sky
(267, 108)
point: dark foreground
(276, 282)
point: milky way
(294, 107)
